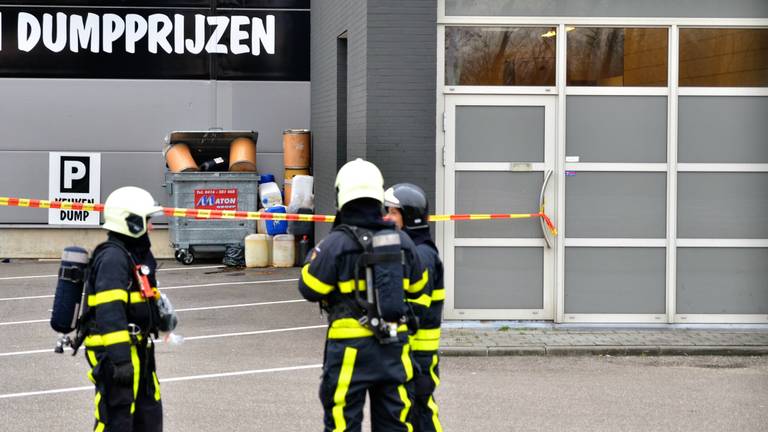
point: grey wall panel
(723, 129)
(615, 280)
(23, 175)
(99, 115)
(722, 281)
(498, 192)
(611, 8)
(617, 128)
(328, 21)
(267, 107)
(499, 134)
(722, 205)
(126, 121)
(499, 278)
(623, 205)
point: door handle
(544, 229)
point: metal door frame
(449, 242)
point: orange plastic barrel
(296, 148)
(242, 155)
(293, 172)
(179, 158)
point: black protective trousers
(354, 367)
(131, 408)
(425, 411)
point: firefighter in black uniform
(119, 320)
(357, 360)
(408, 207)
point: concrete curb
(615, 350)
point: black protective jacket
(429, 307)
(328, 275)
(114, 298)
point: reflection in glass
(724, 57)
(599, 56)
(507, 56)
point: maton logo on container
(216, 199)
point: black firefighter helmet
(412, 202)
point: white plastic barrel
(301, 193)
(270, 195)
(256, 250)
(283, 251)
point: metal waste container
(236, 191)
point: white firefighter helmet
(127, 209)
(358, 179)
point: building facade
(65, 87)
(638, 127)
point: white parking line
(240, 305)
(168, 380)
(172, 288)
(178, 310)
(160, 270)
(190, 338)
(23, 322)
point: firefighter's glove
(122, 374)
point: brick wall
(391, 91)
(329, 19)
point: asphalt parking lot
(251, 362)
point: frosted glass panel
(722, 281)
(499, 278)
(615, 280)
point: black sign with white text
(191, 42)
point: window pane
(724, 57)
(722, 205)
(498, 192)
(499, 134)
(616, 205)
(722, 281)
(609, 8)
(507, 56)
(615, 280)
(600, 56)
(499, 278)
(717, 129)
(628, 129)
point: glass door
(499, 158)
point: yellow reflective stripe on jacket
(406, 407)
(347, 287)
(438, 294)
(314, 283)
(418, 285)
(425, 345)
(349, 328)
(96, 402)
(157, 386)
(423, 300)
(136, 297)
(108, 296)
(136, 375)
(407, 364)
(121, 336)
(112, 295)
(426, 340)
(342, 387)
(425, 334)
